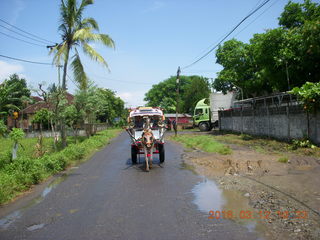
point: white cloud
(132, 99)
(6, 69)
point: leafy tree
(42, 116)
(164, 94)
(3, 128)
(111, 106)
(73, 117)
(16, 135)
(195, 91)
(12, 93)
(309, 94)
(277, 60)
(297, 14)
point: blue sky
(152, 39)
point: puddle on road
(35, 227)
(9, 219)
(209, 197)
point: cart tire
(134, 154)
(161, 153)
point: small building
(184, 120)
(25, 116)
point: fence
(283, 120)
(81, 132)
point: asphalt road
(108, 198)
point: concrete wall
(286, 122)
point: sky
(152, 38)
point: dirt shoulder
(283, 185)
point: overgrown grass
(283, 159)
(18, 175)
(264, 145)
(203, 142)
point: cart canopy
(146, 111)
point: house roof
(31, 109)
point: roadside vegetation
(20, 174)
(203, 142)
(264, 145)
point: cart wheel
(134, 153)
(161, 153)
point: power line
(22, 60)
(207, 53)
(19, 39)
(205, 50)
(256, 18)
(23, 35)
(26, 32)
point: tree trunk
(64, 89)
(54, 136)
(15, 150)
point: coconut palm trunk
(77, 32)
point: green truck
(206, 111)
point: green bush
(5, 158)
(283, 159)
(19, 174)
(304, 143)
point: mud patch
(283, 197)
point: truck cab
(202, 115)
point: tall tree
(12, 93)
(77, 32)
(164, 94)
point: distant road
(107, 198)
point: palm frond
(78, 71)
(59, 51)
(86, 35)
(93, 54)
(90, 23)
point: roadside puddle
(225, 204)
(9, 219)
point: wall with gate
(281, 122)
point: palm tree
(77, 32)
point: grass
(283, 159)
(19, 175)
(28, 145)
(264, 145)
(203, 142)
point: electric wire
(27, 61)
(23, 35)
(48, 41)
(19, 39)
(256, 18)
(205, 50)
(234, 28)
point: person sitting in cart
(138, 123)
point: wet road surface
(108, 198)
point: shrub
(283, 159)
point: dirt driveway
(283, 187)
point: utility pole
(287, 72)
(178, 86)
